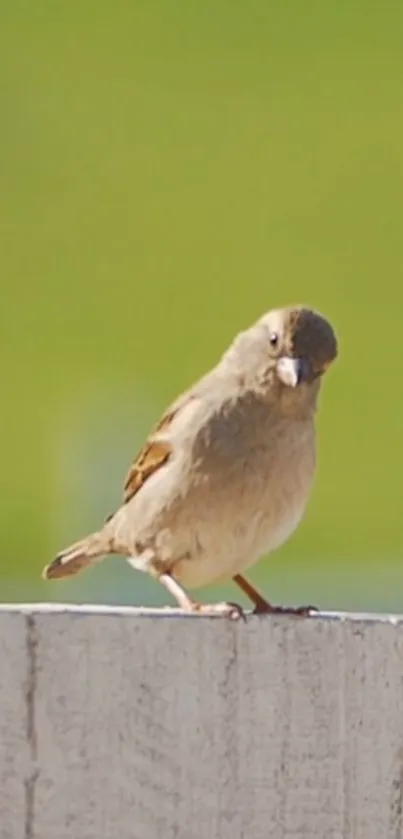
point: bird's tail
(77, 557)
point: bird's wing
(156, 451)
(159, 447)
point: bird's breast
(249, 504)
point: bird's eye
(274, 339)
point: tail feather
(76, 557)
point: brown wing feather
(150, 458)
(153, 455)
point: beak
(292, 371)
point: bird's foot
(225, 610)
(298, 611)
(213, 610)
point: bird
(225, 476)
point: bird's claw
(298, 611)
(226, 610)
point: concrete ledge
(121, 723)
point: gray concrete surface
(135, 724)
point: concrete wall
(128, 724)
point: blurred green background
(169, 171)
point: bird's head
(285, 354)
(301, 345)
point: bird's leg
(227, 610)
(262, 606)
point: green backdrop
(170, 170)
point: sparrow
(225, 476)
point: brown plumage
(226, 474)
